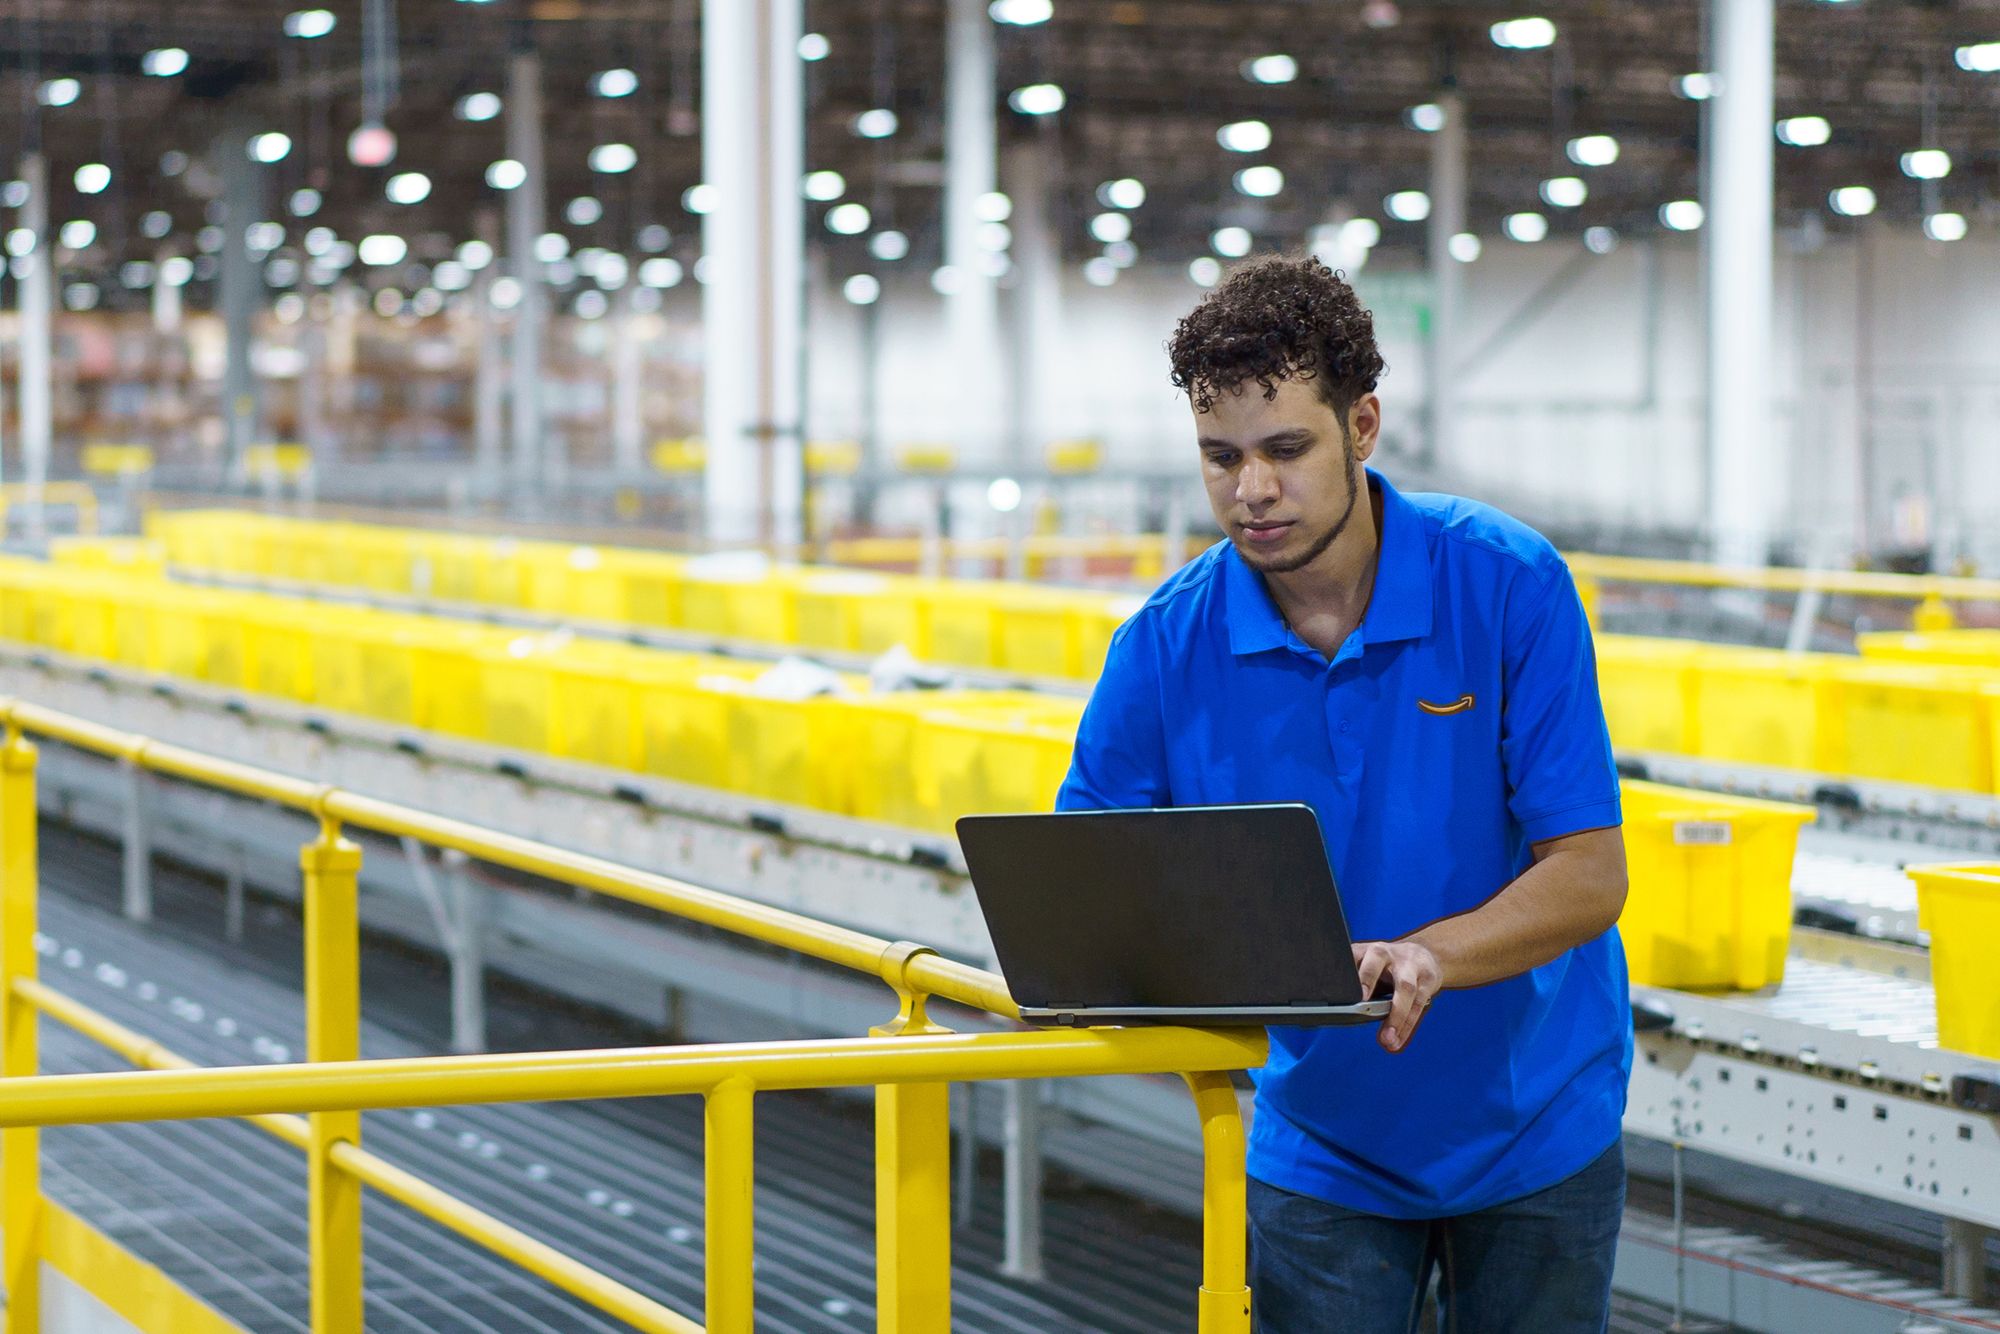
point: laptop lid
(1186, 907)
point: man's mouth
(1266, 533)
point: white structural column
(238, 296)
(489, 384)
(525, 205)
(37, 297)
(628, 427)
(753, 246)
(1037, 301)
(1743, 456)
(971, 299)
(1447, 274)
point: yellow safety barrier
(1933, 592)
(76, 495)
(910, 1060)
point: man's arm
(1572, 894)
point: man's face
(1282, 476)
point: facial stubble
(1313, 553)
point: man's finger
(1369, 961)
(1404, 1012)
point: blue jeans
(1537, 1265)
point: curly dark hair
(1278, 319)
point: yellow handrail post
(333, 1033)
(1225, 1291)
(21, 1149)
(728, 1236)
(912, 1177)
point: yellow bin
(1710, 906)
(1961, 907)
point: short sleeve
(1121, 747)
(1561, 777)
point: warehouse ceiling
(1147, 84)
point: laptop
(1196, 915)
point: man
(1417, 668)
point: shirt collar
(1399, 607)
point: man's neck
(1325, 601)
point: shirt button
(1343, 727)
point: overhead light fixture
(660, 271)
(1230, 242)
(1425, 116)
(1037, 99)
(1852, 201)
(1408, 206)
(505, 174)
(269, 147)
(1981, 59)
(889, 245)
(304, 202)
(1683, 215)
(823, 186)
(1244, 136)
(814, 46)
(583, 210)
(58, 92)
(614, 83)
(1698, 87)
(1260, 182)
(372, 146)
(1945, 226)
(849, 219)
(474, 255)
(176, 270)
(1527, 228)
(1593, 150)
(1271, 69)
(477, 106)
(1021, 13)
(1464, 247)
(1804, 131)
(1528, 34)
(550, 247)
(700, 199)
(91, 178)
(993, 206)
(163, 62)
(1600, 240)
(863, 289)
(77, 234)
(505, 293)
(1101, 272)
(408, 187)
(309, 23)
(156, 224)
(1565, 191)
(382, 250)
(1110, 227)
(1004, 495)
(878, 123)
(995, 237)
(613, 159)
(1927, 164)
(1204, 271)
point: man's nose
(1256, 482)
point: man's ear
(1364, 425)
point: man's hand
(1416, 975)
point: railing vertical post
(728, 1235)
(20, 1150)
(1225, 1292)
(333, 1033)
(912, 1179)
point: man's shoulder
(1480, 538)
(1177, 607)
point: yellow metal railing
(911, 1061)
(1934, 593)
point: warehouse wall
(1582, 405)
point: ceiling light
(1600, 240)
(1529, 34)
(1463, 247)
(1927, 164)
(550, 247)
(58, 92)
(1271, 69)
(1852, 201)
(156, 224)
(1100, 272)
(21, 241)
(371, 146)
(699, 199)
(269, 147)
(1021, 13)
(890, 245)
(1527, 228)
(137, 273)
(409, 187)
(1037, 99)
(263, 237)
(1125, 193)
(947, 280)
(1425, 116)
(1804, 131)
(1698, 87)
(1981, 59)
(1204, 272)
(1004, 495)
(92, 177)
(994, 237)
(309, 23)
(475, 255)
(320, 240)
(1593, 150)
(304, 202)
(381, 250)
(814, 46)
(1244, 136)
(1565, 191)
(653, 238)
(505, 293)
(863, 289)
(848, 219)
(879, 123)
(163, 62)
(1109, 227)
(583, 210)
(823, 186)
(1683, 215)
(612, 159)
(505, 174)
(614, 83)
(1408, 206)
(611, 271)
(660, 271)
(77, 234)
(477, 106)
(1230, 242)
(175, 270)
(1260, 182)
(451, 276)
(993, 206)
(1945, 226)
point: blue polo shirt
(1458, 725)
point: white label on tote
(1702, 833)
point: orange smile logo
(1459, 705)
